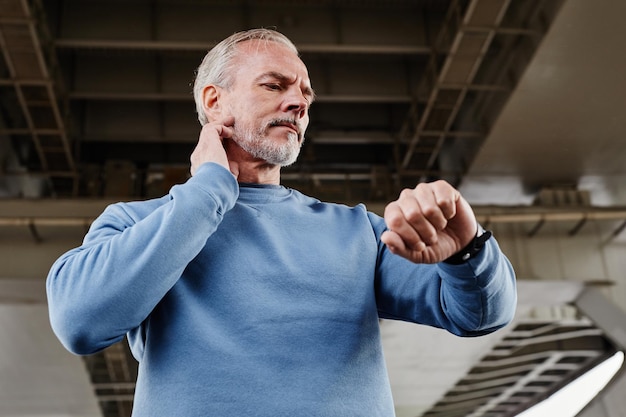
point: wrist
(471, 249)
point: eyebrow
(307, 91)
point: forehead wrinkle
(252, 47)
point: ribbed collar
(250, 193)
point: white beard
(255, 142)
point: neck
(250, 169)
(259, 173)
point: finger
(447, 198)
(225, 126)
(210, 146)
(225, 132)
(427, 198)
(397, 222)
(223, 129)
(393, 241)
(396, 245)
(418, 209)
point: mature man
(241, 297)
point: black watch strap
(472, 249)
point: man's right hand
(210, 147)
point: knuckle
(390, 210)
(430, 211)
(429, 237)
(406, 193)
(413, 214)
(394, 222)
(441, 184)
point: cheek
(241, 116)
(250, 114)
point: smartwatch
(472, 248)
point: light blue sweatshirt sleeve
(131, 257)
(471, 299)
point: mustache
(286, 122)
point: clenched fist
(429, 223)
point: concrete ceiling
(564, 124)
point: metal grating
(33, 116)
(113, 373)
(532, 362)
(481, 50)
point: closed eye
(273, 86)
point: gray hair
(216, 67)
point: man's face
(269, 100)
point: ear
(211, 104)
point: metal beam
(78, 212)
(148, 45)
(160, 96)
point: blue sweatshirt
(256, 300)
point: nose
(296, 102)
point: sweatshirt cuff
(476, 271)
